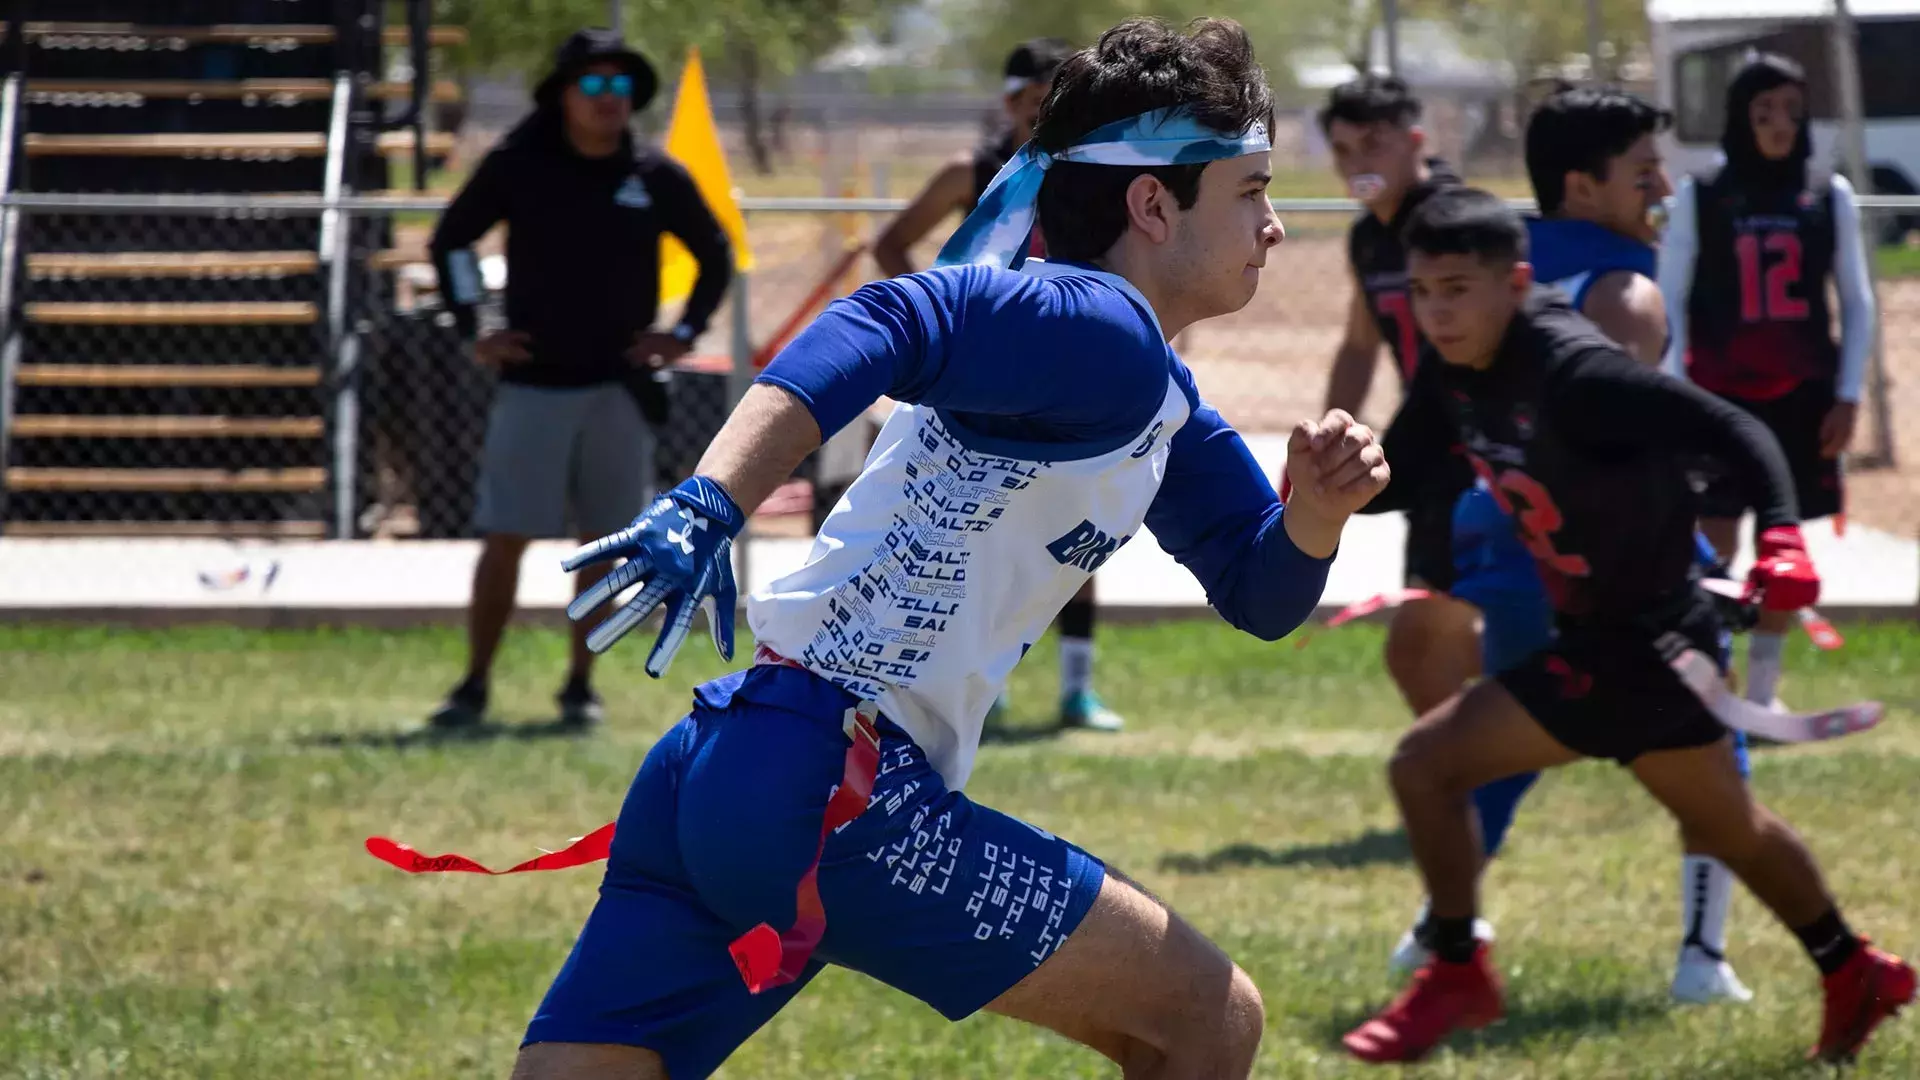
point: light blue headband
(996, 232)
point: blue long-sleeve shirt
(1063, 364)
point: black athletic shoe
(580, 707)
(464, 710)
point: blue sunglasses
(594, 84)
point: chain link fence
(222, 366)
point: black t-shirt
(1379, 263)
(1588, 451)
(1757, 316)
(583, 249)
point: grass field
(183, 892)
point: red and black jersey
(1588, 451)
(1379, 263)
(1757, 316)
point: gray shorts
(563, 462)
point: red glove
(1783, 574)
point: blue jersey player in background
(809, 810)
(1597, 176)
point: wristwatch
(684, 334)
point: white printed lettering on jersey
(941, 563)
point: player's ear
(1576, 187)
(1418, 136)
(1520, 279)
(1149, 208)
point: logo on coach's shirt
(1085, 546)
(633, 193)
(1146, 444)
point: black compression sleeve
(1417, 444)
(1602, 398)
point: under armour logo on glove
(681, 552)
(1783, 577)
(683, 537)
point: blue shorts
(927, 891)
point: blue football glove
(681, 547)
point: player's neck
(1387, 209)
(592, 144)
(1137, 268)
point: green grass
(183, 894)
(1897, 261)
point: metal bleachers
(170, 373)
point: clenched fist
(1335, 466)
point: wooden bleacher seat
(224, 33)
(174, 480)
(253, 313)
(263, 144)
(225, 376)
(208, 530)
(169, 264)
(167, 427)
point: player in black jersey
(957, 187)
(1588, 450)
(1744, 268)
(1371, 124)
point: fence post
(739, 377)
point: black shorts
(1795, 419)
(1608, 692)
(1429, 554)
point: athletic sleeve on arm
(1679, 250)
(1603, 399)
(685, 214)
(1218, 516)
(1416, 444)
(1855, 287)
(1071, 355)
(480, 204)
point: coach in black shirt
(568, 449)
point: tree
(746, 42)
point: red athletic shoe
(1443, 998)
(1870, 988)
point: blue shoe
(1085, 710)
(997, 712)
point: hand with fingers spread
(681, 552)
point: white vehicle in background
(1698, 45)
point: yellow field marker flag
(694, 141)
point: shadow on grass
(431, 736)
(1535, 1018)
(1003, 735)
(1371, 848)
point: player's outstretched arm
(946, 192)
(1603, 399)
(1354, 361)
(1679, 249)
(1416, 445)
(1629, 309)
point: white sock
(1706, 890)
(1076, 665)
(1763, 666)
